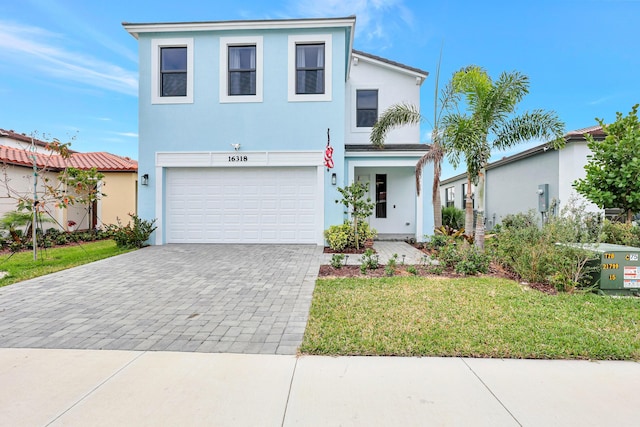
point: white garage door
(241, 205)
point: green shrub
(341, 237)
(436, 241)
(412, 269)
(552, 254)
(369, 260)
(620, 233)
(337, 260)
(453, 217)
(338, 236)
(132, 236)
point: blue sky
(67, 67)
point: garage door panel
(244, 205)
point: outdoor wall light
(145, 179)
(334, 179)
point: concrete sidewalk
(42, 387)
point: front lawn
(471, 317)
(21, 266)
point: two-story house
(235, 121)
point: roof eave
(135, 29)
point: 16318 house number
(235, 159)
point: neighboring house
(538, 178)
(234, 119)
(17, 179)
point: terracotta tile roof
(104, 162)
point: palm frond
(393, 117)
(536, 124)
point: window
(449, 196)
(381, 195)
(464, 197)
(172, 71)
(366, 108)
(241, 69)
(309, 68)
(310, 62)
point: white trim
(156, 45)
(199, 159)
(225, 42)
(383, 64)
(320, 204)
(159, 178)
(136, 29)
(328, 67)
(351, 167)
(385, 154)
(354, 106)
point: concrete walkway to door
(203, 298)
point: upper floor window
(241, 69)
(172, 71)
(310, 65)
(309, 68)
(366, 108)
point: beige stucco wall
(120, 188)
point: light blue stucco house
(234, 122)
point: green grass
(472, 317)
(21, 266)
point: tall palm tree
(491, 107)
(407, 114)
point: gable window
(449, 196)
(241, 69)
(366, 108)
(309, 68)
(381, 195)
(172, 71)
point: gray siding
(512, 187)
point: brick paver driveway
(207, 298)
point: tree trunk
(629, 217)
(479, 239)
(437, 201)
(437, 210)
(468, 209)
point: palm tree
(407, 114)
(491, 106)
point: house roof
(136, 28)
(394, 64)
(104, 162)
(575, 135)
(22, 137)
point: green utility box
(619, 269)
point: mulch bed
(495, 270)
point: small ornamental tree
(359, 208)
(613, 168)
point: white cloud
(127, 134)
(35, 49)
(376, 19)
